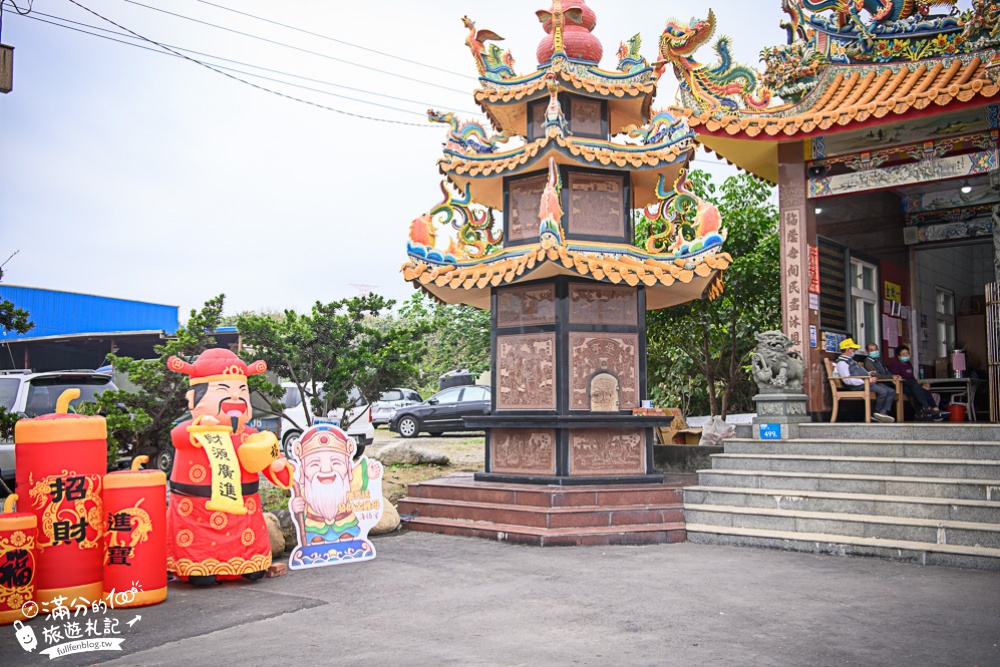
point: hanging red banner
(813, 269)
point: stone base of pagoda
(549, 515)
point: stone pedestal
(779, 415)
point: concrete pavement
(436, 600)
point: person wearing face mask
(850, 373)
(923, 399)
(873, 363)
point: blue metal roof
(67, 313)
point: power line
(35, 15)
(244, 81)
(338, 41)
(297, 48)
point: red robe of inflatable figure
(215, 523)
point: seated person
(885, 395)
(901, 366)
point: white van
(358, 423)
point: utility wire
(17, 9)
(36, 14)
(217, 70)
(296, 48)
(335, 40)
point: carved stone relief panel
(607, 451)
(596, 204)
(603, 304)
(526, 372)
(526, 306)
(604, 393)
(591, 353)
(525, 196)
(521, 451)
(585, 116)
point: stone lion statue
(775, 369)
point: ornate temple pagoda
(537, 225)
(878, 120)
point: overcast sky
(132, 174)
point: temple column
(995, 184)
(798, 232)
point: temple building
(878, 122)
(538, 224)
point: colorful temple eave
(834, 79)
(485, 172)
(669, 281)
(629, 95)
(858, 94)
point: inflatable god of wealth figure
(215, 523)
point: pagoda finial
(569, 23)
(558, 17)
(550, 231)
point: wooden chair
(898, 384)
(840, 392)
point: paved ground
(434, 600)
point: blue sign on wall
(770, 431)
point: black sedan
(442, 412)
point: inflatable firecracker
(335, 499)
(18, 558)
(60, 461)
(135, 537)
(215, 523)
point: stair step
(544, 517)
(463, 487)
(962, 533)
(860, 465)
(598, 536)
(842, 545)
(951, 509)
(923, 431)
(944, 449)
(934, 487)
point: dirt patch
(465, 451)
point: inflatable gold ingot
(18, 556)
(227, 491)
(259, 451)
(61, 460)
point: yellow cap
(848, 343)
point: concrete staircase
(926, 493)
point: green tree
(143, 418)
(13, 318)
(459, 339)
(698, 352)
(336, 349)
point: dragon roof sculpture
(845, 62)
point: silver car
(32, 394)
(384, 409)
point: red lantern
(60, 460)
(17, 560)
(135, 539)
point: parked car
(293, 419)
(443, 411)
(384, 409)
(33, 394)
